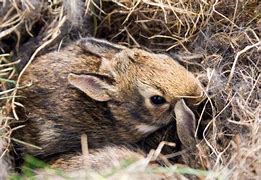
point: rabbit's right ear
(92, 85)
(98, 47)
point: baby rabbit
(114, 94)
(99, 160)
(113, 162)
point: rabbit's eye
(157, 100)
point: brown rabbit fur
(98, 160)
(104, 90)
(109, 161)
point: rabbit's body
(113, 162)
(98, 160)
(112, 96)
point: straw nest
(218, 40)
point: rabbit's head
(140, 87)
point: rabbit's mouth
(147, 129)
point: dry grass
(218, 40)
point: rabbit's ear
(98, 47)
(92, 85)
(186, 124)
(112, 56)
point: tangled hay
(218, 40)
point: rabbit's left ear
(99, 47)
(186, 124)
(112, 60)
